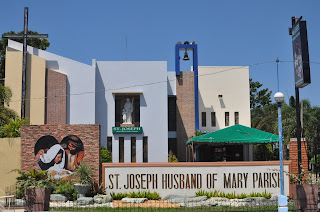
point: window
(236, 117)
(145, 149)
(172, 115)
(172, 147)
(204, 119)
(133, 149)
(109, 145)
(213, 119)
(226, 120)
(121, 149)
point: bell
(186, 56)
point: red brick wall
(56, 101)
(185, 111)
(89, 135)
(293, 152)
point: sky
(228, 33)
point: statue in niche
(127, 111)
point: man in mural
(74, 150)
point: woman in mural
(42, 146)
(74, 150)
(55, 158)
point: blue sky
(228, 33)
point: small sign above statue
(127, 130)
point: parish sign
(187, 178)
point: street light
(279, 97)
(282, 200)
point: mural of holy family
(59, 159)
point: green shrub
(232, 195)
(172, 158)
(66, 188)
(105, 155)
(202, 193)
(118, 196)
(84, 174)
(266, 194)
(140, 194)
(242, 196)
(98, 189)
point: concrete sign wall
(187, 178)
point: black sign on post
(301, 54)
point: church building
(144, 110)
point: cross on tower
(25, 35)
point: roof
(236, 134)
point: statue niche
(127, 112)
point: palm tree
(12, 129)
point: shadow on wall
(52, 65)
(182, 138)
(222, 103)
(68, 101)
(208, 110)
(101, 113)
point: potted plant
(305, 190)
(37, 189)
(83, 178)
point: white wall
(172, 83)
(232, 82)
(80, 87)
(150, 78)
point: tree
(259, 98)
(12, 129)
(5, 113)
(292, 102)
(105, 155)
(39, 43)
(264, 118)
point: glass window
(213, 119)
(121, 149)
(172, 147)
(236, 117)
(204, 119)
(172, 115)
(133, 149)
(109, 145)
(226, 118)
(145, 149)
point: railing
(178, 204)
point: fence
(174, 204)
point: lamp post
(282, 199)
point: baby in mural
(55, 158)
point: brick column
(56, 101)
(293, 152)
(185, 111)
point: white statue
(124, 116)
(127, 111)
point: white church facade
(141, 107)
